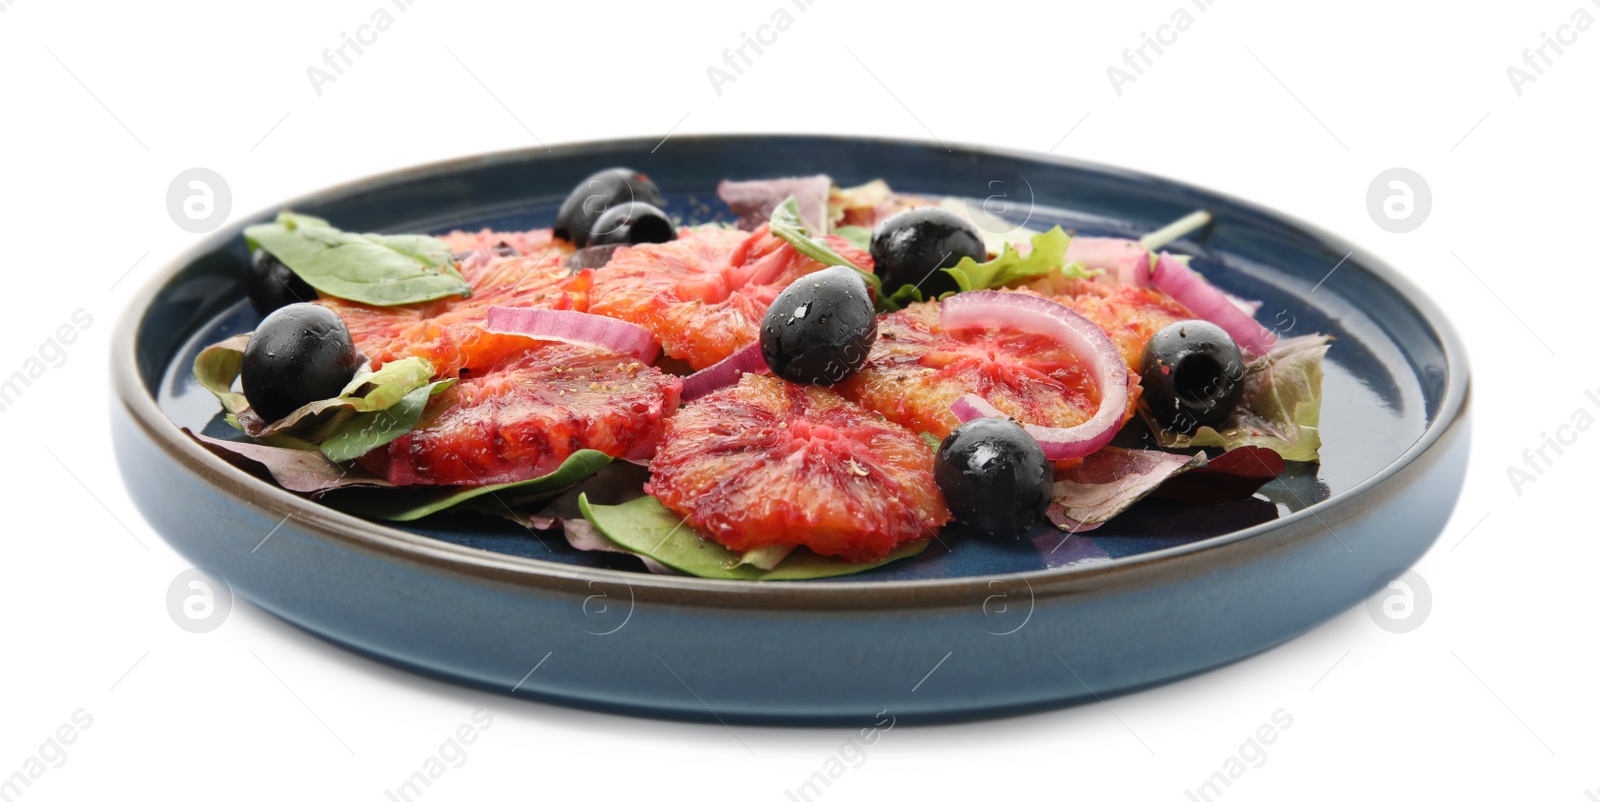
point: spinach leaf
(412, 503)
(646, 528)
(369, 430)
(374, 269)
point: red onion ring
(1035, 315)
(578, 328)
(725, 373)
(1209, 303)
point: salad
(835, 380)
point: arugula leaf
(369, 430)
(412, 503)
(787, 225)
(646, 528)
(375, 269)
(1047, 256)
(901, 298)
(1281, 407)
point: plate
(973, 630)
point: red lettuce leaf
(298, 470)
(1111, 480)
(754, 201)
(1234, 475)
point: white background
(1296, 106)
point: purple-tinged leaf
(301, 471)
(754, 201)
(1235, 475)
(1113, 479)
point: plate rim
(320, 520)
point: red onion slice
(1209, 303)
(1124, 260)
(578, 328)
(1035, 315)
(725, 373)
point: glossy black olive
(994, 477)
(1193, 376)
(820, 329)
(299, 354)
(272, 285)
(632, 224)
(597, 193)
(913, 246)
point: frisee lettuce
(1048, 255)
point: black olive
(820, 329)
(994, 477)
(631, 224)
(1193, 376)
(915, 245)
(272, 285)
(592, 257)
(597, 193)
(299, 354)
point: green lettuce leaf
(855, 235)
(1281, 407)
(369, 391)
(217, 367)
(644, 527)
(377, 269)
(1047, 256)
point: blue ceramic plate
(1162, 592)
